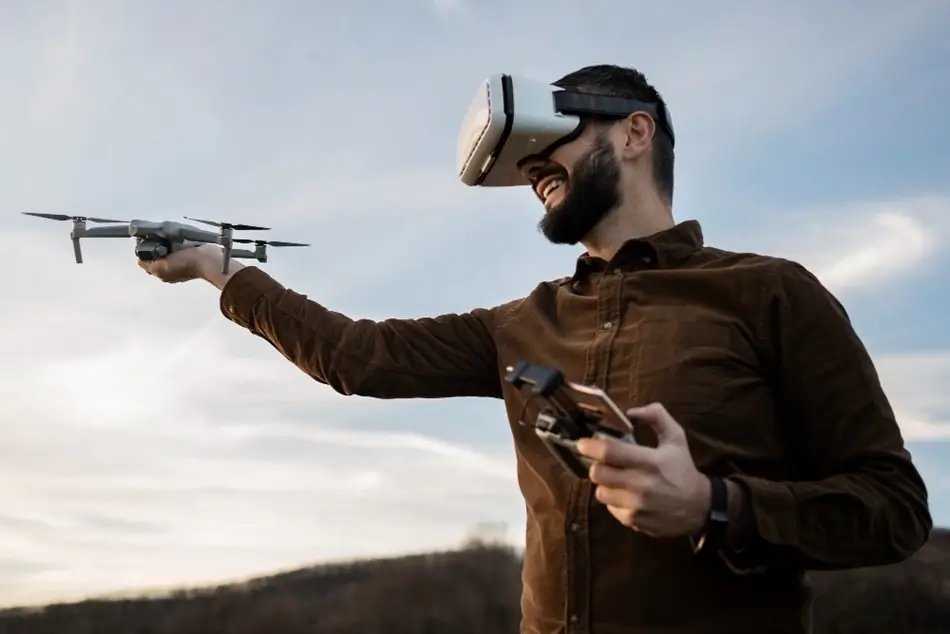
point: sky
(150, 443)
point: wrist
(210, 270)
(710, 537)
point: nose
(531, 166)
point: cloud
(917, 386)
(892, 237)
(58, 86)
(858, 246)
(216, 468)
(447, 7)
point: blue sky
(149, 443)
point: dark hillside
(911, 598)
(475, 590)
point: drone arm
(243, 254)
(445, 356)
(194, 234)
(115, 231)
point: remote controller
(570, 411)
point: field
(473, 590)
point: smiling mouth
(548, 185)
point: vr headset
(513, 118)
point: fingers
(623, 505)
(616, 453)
(161, 270)
(620, 478)
(665, 426)
(619, 499)
(620, 490)
(625, 494)
(158, 268)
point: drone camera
(150, 250)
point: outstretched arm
(445, 356)
(859, 501)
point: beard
(592, 192)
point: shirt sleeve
(445, 356)
(858, 500)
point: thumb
(666, 428)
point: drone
(155, 240)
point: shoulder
(775, 293)
(772, 274)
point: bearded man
(766, 445)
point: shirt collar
(664, 249)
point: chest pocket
(691, 363)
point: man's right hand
(202, 262)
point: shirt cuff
(243, 292)
(773, 509)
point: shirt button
(618, 272)
(574, 527)
(608, 325)
(574, 619)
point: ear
(638, 130)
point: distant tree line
(474, 590)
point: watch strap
(717, 520)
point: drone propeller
(227, 229)
(228, 225)
(271, 243)
(73, 218)
(79, 223)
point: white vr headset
(513, 118)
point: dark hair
(617, 81)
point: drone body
(156, 240)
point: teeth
(550, 187)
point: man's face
(578, 184)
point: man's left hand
(658, 491)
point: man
(748, 386)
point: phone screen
(596, 401)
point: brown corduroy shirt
(754, 358)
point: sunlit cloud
(863, 245)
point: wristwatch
(717, 520)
